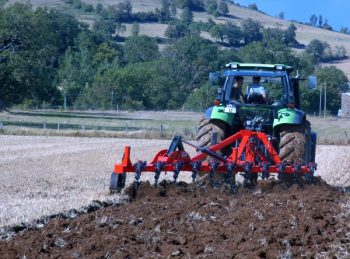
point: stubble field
(45, 175)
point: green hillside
(152, 54)
(304, 33)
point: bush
(88, 8)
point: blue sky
(336, 11)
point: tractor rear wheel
(294, 146)
(211, 131)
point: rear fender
(218, 113)
(288, 116)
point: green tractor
(256, 128)
(267, 100)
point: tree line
(59, 58)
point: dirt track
(42, 176)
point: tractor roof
(257, 67)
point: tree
(135, 29)
(193, 5)
(182, 3)
(256, 52)
(218, 32)
(173, 10)
(2, 3)
(104, 27)
(211, 6)
(316, 49)
(99, 8)
(320, 21)
(187, 15)
(30, 70)
(223, 8)
(344, 30)
(327, 26)
(195, 57)
(253, 7)
(336, 84)
(313, 20)
(201, 98)
(289, 35)
(164, 13)
(176, 30)
(76, 68)
(281, 15)
(140, 49)
(273, 37)
(107, 53)
(233, 34)
(121, 12)
(251, 30)
(120, 28)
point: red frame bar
(248, 145)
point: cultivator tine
(177, 168)
(282, 172)
(248, 175)
(231, 177)
(310, 176)
(213, 167)
(139, 166)
(159, 168)
(195, 168)
(297, 171)
(265, 174)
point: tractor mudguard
(218, 113)
(288, 116)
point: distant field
(112, 124)
(140, 124)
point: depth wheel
(117, 182)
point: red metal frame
(248, 147)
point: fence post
(58, 127)
(126, 127)
(1, 125)
(161, 130)
(44, 125)
(83, 127)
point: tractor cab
(272, 80)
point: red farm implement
(252, 154)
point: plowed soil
(198, 221)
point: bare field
(46, 175)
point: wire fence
(61, 128)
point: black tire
(295, 146)
(207, 129)
(117, 182)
